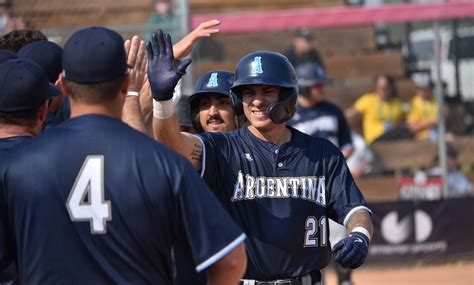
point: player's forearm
(230, 269)
(146, 101)
(132, 115)
(167, 132)
(360, 219)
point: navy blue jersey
(92, 201)
(60, 116)
(9, 143)
(323, 120)
(282, 197)
(9, 273)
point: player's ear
(62, 85)
(43, 112)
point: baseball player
(48, 55)
(210, 106)
(279, 184)
(23, 109)
(112, 213)
(210, 110)
(317, 117)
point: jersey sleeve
(345, 198)
(209, 229)
(210, 152)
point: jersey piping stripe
(211, 260)
(203, 160)
(348, 216)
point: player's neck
(278, 135)
(80, 109)
(8, 131)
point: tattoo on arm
(360, 218)
(196, 154)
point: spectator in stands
(17, 39)
(301, 50)
(8, 20)
(423, 116)
(164, 18)
(381, 111)
(458, 184)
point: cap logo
(212, 80)
(257, 65)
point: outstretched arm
(180, 50)
(136, 58)
(163, 74)
(184, 47)
(229, 269)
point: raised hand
(164, 71)
(351, 251)
(185, 45)
(136, 58)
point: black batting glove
(164, 71)
(351, 251)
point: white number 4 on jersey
(86, 200)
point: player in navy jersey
(24, 98)
(279, 184)
(210, 110)
(210, 106)
(92, 201)
(316, 116)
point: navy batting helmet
(214, 82)
(309, 75)
(267, 68)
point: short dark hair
(27, 119)
(390, 81)
(94, 93)
(15, 40)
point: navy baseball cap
(7, 55)
(94, 55)
(46, 54)
(24, 86)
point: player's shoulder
(219, 137)
(313, 144)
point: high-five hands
(164, 71)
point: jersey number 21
(86, 200)
(312, 225)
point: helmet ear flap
(236, 102)
(281, 111)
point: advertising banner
(422, 232)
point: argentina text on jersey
(309, 188)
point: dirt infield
(460, 273)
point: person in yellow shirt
(381, 110)
(423, 116)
